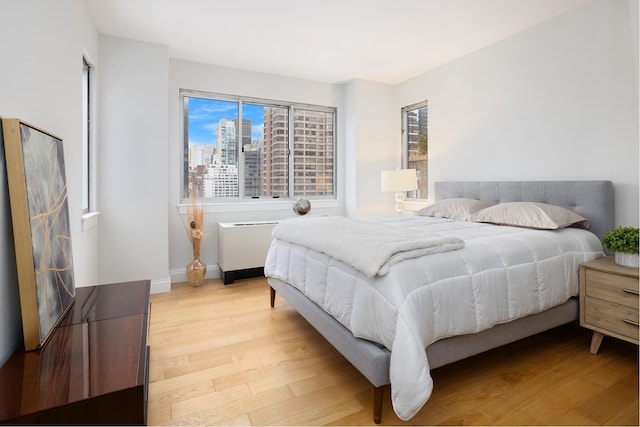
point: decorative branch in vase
(196, 269)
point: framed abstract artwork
(41, 232)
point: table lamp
(400, 181)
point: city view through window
(247, 149)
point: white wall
(41, 83)
(132, 162)
(558, 101)
(222, 80)
(373, 142)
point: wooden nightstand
(609, 301)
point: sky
(205, 114)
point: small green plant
(622, 239)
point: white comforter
(501, 274)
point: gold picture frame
(41, 232)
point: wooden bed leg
(273, 296)
(377, 393)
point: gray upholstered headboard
(591, 199)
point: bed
(327, 297)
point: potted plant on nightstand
(623, 242)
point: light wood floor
(221, 356)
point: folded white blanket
(367, 247)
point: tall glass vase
(196, 271)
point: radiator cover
(242, 248)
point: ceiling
(331, 41)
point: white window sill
(259, 205)
(89, 220)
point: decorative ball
(301, 206)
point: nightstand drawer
(612, 287)
(612, 317)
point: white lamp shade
(399, 180)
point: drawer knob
(633, 322)
(630, 291)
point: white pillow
(531, 215)
(457, 208)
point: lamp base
(400, 196)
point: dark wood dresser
(94, 369)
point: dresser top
(608, 265)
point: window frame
(291, 107)
(405, 148)
(87, 140)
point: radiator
(242, 248)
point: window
(243, 148)
(86, 136)
(415, 145)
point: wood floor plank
(310, 408)
(340, 371)
(211, 402)
(605, 401)
(200, 364)
(216, 410)
(220, 355)
(178, 394)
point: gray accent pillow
(530, 215)
(457, 208)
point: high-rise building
(246, 131)
(313, 157)
(222, 177)
(200, 154)
(226, 142)
(196, 178)
(276, 152)
(221, 181)
(253, 170)
(313, 136)
(200, 157)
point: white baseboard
(159, 286)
